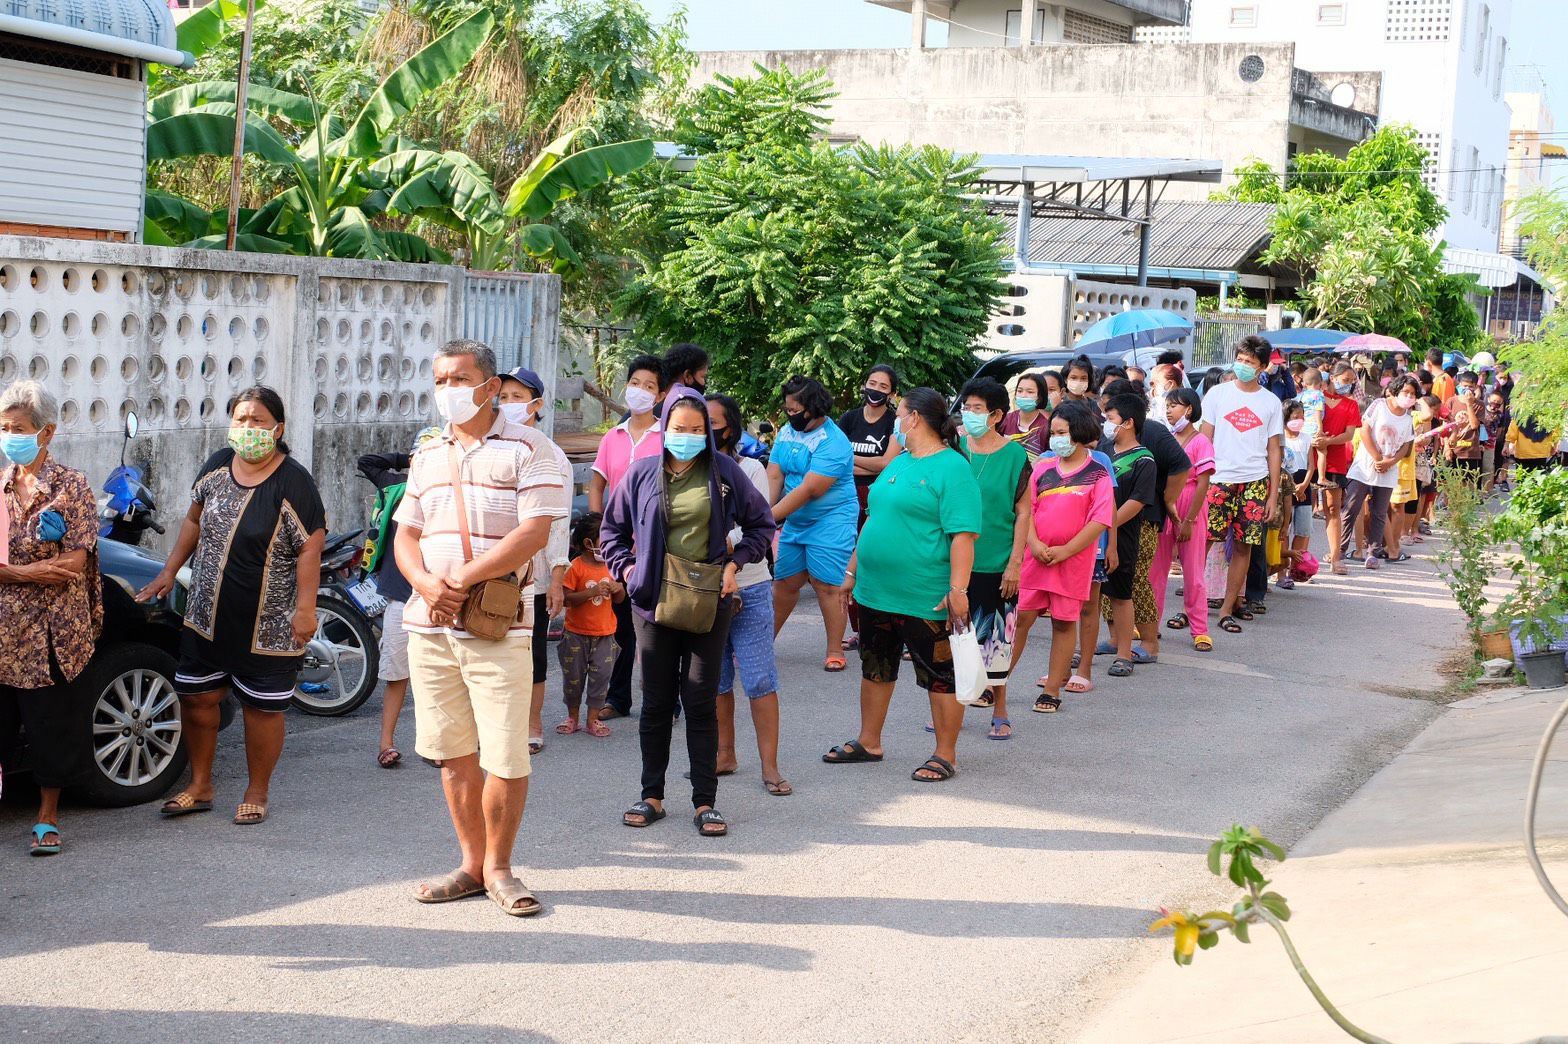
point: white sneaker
(1372, 562)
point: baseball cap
(1277, 357)
(524, 376)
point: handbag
(493, 605)
(689, 591)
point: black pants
(1258, 573)
(626, 636)
(57, 733)
(541, 648)
(681, 669)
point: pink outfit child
(1063, 504)
(617, 450)
(1195, 592)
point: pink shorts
(1056, 606)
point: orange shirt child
(592, 616)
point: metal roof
(1493, 270)
(1083, 169)
(1211, 236)
(134, 28)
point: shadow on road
(63, 1023)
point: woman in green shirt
(1001, 469)
(910, 575)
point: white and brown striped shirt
(509, 477)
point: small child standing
(1072, 506)
(1128, 595)
(588, 648)
(1313, 407)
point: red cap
(1278, 356)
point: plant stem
(1317, 993)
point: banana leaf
(437, 184)
(250, 242)
(268, 101)
(434, 64)
(179, 219)
(576, 174)
(212, 134)
(546, 243)
(405, 246)
(352, 235)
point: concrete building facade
(1230, 102)
(1536, 161)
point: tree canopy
(1358, 232)
(1541, 365)
(781, 253)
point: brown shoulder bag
(492, 606)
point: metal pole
(240, 101)
(1143, 235)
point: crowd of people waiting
(1072, 497)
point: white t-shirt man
(1243, 421)
(1390, 433)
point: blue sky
(720, 25)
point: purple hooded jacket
(632, 536)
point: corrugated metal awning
(1493, 270)
(1216, 237)
(141, 29)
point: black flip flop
(1229, 625)
(1179, 622)
(710, 817)
(944, 769)
(1044, 704)
(650, 815)
(849, 751)
(1120, 668)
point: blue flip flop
(40, 831)
(1140, 656)
(1000, 721)
(1105, 649)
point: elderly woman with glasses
(51, 601)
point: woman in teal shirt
(910, 576)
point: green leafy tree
(782, 254)
(1541, 365)
(1356, 231)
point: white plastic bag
(969, 672)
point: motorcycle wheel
(341, 661)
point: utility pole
(240, 102)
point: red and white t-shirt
(1244, 421)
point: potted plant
(1536, 524)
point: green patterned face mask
(253, 445)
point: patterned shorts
(885, 636)
(1142, 597)
(1239, 509)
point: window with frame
(1015, 21)
(1483, 37)
(1244, 17)
(1497, 73)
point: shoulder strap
(457, 494)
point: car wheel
(130, 724)
(341, 661)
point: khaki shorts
(394, 645)
(472, 695)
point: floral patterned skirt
(994, 619)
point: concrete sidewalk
(1414, 907)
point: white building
(73, 114)
(1536, 161)
(1442, 65)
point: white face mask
(1077, 385)
(456, 405)
(519, 412)
(639, 400)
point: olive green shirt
(691, 511)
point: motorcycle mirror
(132, 425)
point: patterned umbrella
(1371, 343)
(1305, 337)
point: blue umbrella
(1305, 337)
(1140, 329)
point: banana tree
(341, 171)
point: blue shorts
(750, 645)
(822, 563)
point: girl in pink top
(1072, 506)
(1185, 535)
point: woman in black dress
(869, 428)
(256, 528)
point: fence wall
(518, 316)
(1215, 336)
(173, 334)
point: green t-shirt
(1001, 477)
(690, 513)
(914, 508)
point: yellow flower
(1189, 928)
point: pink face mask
(1295, 426)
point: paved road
(997, 906)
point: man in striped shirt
(472, 696)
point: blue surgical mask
(976, 423)
(1244, 373)
(900, 436)
(684, 445)
(1062, 445)
(20, 449)
(1027, 405)
(1180, 425)
(1344, 389)
(1109, 428)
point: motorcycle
(340, 667)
